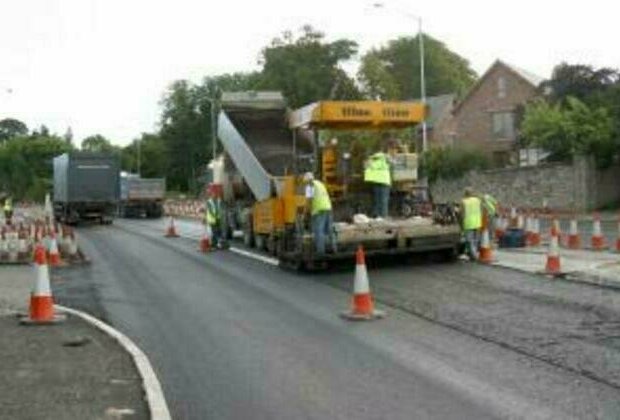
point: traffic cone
(574, 240)
(362, 305)
(486, 253)
(513, 218)
(598, 240)
(500, 226)
(553, 257)
(171, 232)
(41, 301)
(54, 254)
(205, 241)
(535, 236)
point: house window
(501, 87)
(503, 126)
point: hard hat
(308, 176)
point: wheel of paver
(260, 242)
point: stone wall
(577, 186)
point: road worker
(471, 212)
(213, 216)
(377, 173)
(8, 210)
(320, 207)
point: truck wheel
(260, 242)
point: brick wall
(473, 118)
(577, 186)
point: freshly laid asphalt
(235, 338)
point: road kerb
(154, 395)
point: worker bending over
(472, 222)
(321, 213)
(377, 173)
(213, 217)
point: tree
(579, 81)
(68, 136)
(186, 132)
(306, 68)
(10, 127)
(97, 143)
(153, 156)
(570, 128)
(393, 71)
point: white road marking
(252, 255)
(154, 394)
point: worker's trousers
(380, 200)
(472, 243)
(322, 227)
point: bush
(448, 163)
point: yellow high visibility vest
(378, 170)
(213, 211)
(8, 204)
(320, 198)
(472, 217)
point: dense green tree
(97, 143)
(393, 71)
(306, 68)
(153, 157)
(186, 133)
(570, 128)
(26, 165)
(11, 127)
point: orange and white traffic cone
(553, 257)
(171, 232)
(54, 253)
(41, 310)
(205, 241)
(598, 240)
(500, 226)
(486, 253)
(362, 306)
(535, 236)
(574, 240)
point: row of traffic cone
(204, 245)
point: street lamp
(422, 66)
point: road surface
(233, 338)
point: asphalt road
(235, 338)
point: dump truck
(141, 197)
(86, 187)
(267, 149)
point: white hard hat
(308, 176)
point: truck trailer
(267, 149)
(141, 197)
(86, 187)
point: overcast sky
(100, 66)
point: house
(486, 117)
(439, 131)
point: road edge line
(152, 387)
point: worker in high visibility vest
(320, 206)
(8, 210)
(471, 212)
(213, 217)
(377, 173)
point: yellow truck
(267, 149)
